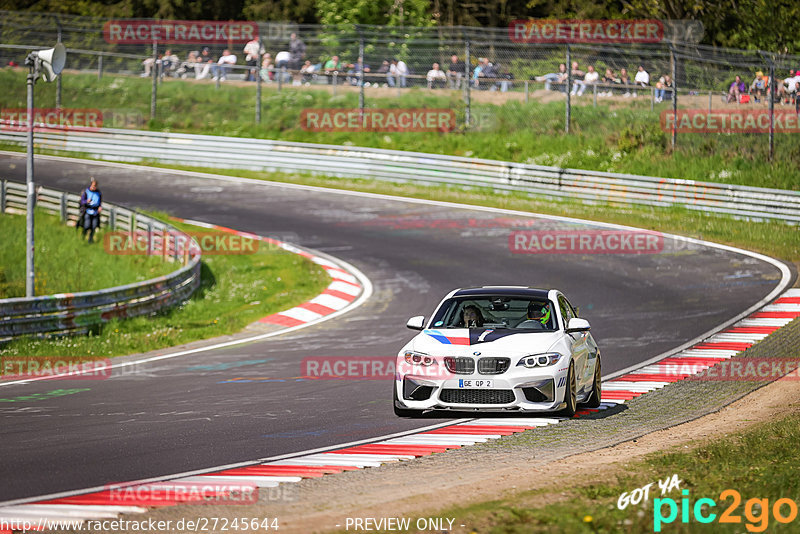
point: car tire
(402, 412)
(571, 394)
(597, 390)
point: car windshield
(496, 311)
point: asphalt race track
(180, 414)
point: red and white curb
(340, 293)
(719, 347)
(703, 355)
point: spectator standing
(736, 89)
(642, 78)
(297, 52)
(91, 204)
(436, 77)
(402, 72)
(282, 61)
(455, 71)
(252, 53)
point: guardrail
(395, 165)
(74, 313)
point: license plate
(470, 384)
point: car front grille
(477, 396)
(460, 365)
(493, 366)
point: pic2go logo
(756, 511)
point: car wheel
(402, 412)
(570, 395)
(597, 390)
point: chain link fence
(656, 94)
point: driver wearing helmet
(537, 316)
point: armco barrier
(72, 313)
(394, 165)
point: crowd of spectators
(610, 84)
(291, 65)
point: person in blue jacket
(91, 205)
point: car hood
(466, 341)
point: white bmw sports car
(499, 349)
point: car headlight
(544, 359)
(419, 358)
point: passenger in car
(472, 317)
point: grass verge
(65, 262)
(235, 290)
(619, 135)
(758, 464)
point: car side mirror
(576, 324)
(416, 323)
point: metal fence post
(467, 87)
(710, 94)
(335, 81)
(360, 75)
(568, 110)
(771, 97)
(100, 66)
(149, 237)
(63, 207)
(3, 196)
(154, 89)
(58, 77)
(526, 91)
(281, 72)
(594, 93)
(674, 62)
(258, 85)
(112, 219)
